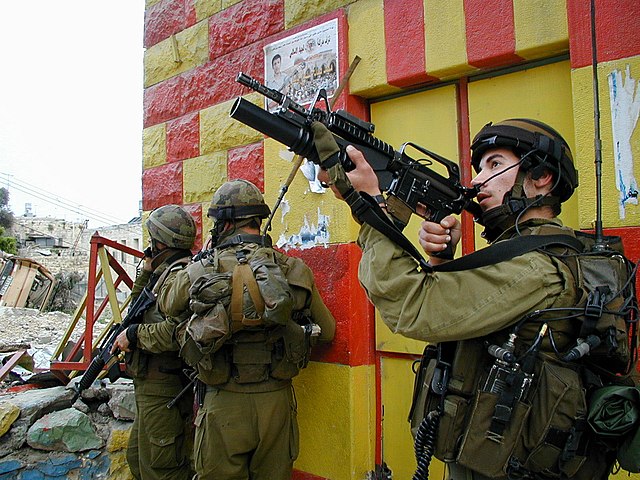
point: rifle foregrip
(91, 373)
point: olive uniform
(160, 440)
(246, 426)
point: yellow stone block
(218, 131)
(206, 8)
(201, 176)
(149, 3)
(119, 468)
(366, 39)
(336, 413)
(8, 414)
(302, 210)
(615, 213)
(540, 39)
(119, 437)
(299, 11)
(445, 39)
(228, 3)
(176, 54)
(154, 146)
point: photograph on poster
(301, 64)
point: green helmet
(173, 226)
(238, 199)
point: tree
(6, 215)
(7, 244)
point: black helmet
(173, 226)
(237, 199)
(541, 144)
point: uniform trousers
(159, 443)
(241, 436)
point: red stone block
(216, 82)
(183, 137)
(166, 18)
(491, 38)
(243, 24)
(336, 273)
(195, 209)
(617, 27)
(163, 101)
(247, 162)
(162, 185)
(404, 39)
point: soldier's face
(498, 171)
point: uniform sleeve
(173, 295)
(446, 306)
(322, 316)
(159, 337)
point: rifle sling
(508, 249)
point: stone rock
(123, 402)
(118, 436)
(69, 430)
(81, 406)
(9, 413)
(103, 409)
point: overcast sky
(71, 87)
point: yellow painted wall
(336, 413)
(613, 215)
(543, 93)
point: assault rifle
(134, 315)
(410, 185)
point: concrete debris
(54, 432)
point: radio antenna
(599, 240)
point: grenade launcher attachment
(410, 185)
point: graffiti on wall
(625, 108)
(309, 236)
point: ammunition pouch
(543, 434)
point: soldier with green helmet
(160, 441)
(254, 314)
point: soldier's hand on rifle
(434, 237)
(363, 178)
(121, 343)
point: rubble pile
(54, 432)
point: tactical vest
(472, 406)
(156, 366)
(249, 330)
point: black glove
(132, 336)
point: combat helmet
(238, 199)
(173, 226)
(538, 142)
(539, 147)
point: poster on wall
(299, 66)
(303, 63)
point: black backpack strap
(508, 249)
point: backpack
(475, 405)
(253, 294)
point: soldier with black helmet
(253, 314)
(160, 439)
(485, 359)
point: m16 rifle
(410, 185)
(104, 357)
